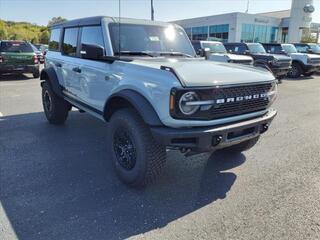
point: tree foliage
(10, 30)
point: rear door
(71, 65)
(17, 54)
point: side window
(69, 46)
(54, 39)
(92, 35)
(302, 48)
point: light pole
(152, 11)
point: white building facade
(279, 26)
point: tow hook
(265, 127)
(216, 140)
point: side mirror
(205, 52)
(246, 52)
(309, 50)
(90, 51)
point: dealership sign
(308, 8)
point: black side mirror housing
(90, 51)
(204, 52)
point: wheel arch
(132, 99)
(49, 75)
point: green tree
(3, 30)
(56, 20)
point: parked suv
(308, 48)
(302, 63)
(216, 51)
(278, 64)
(18, 57)
(153, 92)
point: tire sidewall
(133, 128)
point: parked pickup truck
(18, 57)
(143, 79)
(277, 63)
(302, 63)
(215, 51)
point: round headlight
(185, 103)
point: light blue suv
(142, 77)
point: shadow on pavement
(15, 77)
(302, 78)
(57, 182)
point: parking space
(57, 181)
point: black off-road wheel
(295, 70)
(55, 108)
(241, 147)
(138, 159)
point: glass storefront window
(219, 32)
(258, 33)
(200, 33)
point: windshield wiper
(135, 53)
(175, 54)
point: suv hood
(199, 72)
(272, 56)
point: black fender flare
(49, 74)
(137, 101)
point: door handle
(76, 69)
(58, 65)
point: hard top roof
(98, 19)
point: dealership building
(280, 26)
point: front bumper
(19, 68)
(311, 68)
(202, 139)
(280, 71)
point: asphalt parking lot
(56, 181)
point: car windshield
(150, 39)
(214, 47)
(16, 47)
(289, 48)
(256, 48)
(315, 48)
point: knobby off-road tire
(138, 159)
(241, 147)
(55, 108)
(295, 71)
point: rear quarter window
(54, 40)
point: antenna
(119, 46)
(248, 3)
(152, 11)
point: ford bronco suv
(215, 51)
(312, 48)
(302, 63)
(142, 77)
(18, 57)
(277, 63)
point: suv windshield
(256, 48)
(149, 39)
(16, 47)
(214, 47)
(315, 48)
(289, 48)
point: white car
(216, 51)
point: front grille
(242, 61)
(229, 109)
(315, 61)
(284, 63)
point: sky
(41, 11)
